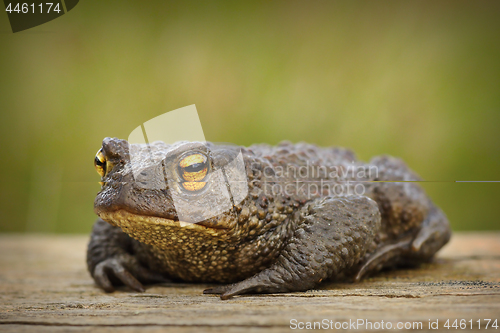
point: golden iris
(100, 163)
(193, 170)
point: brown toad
(301, 214)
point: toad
(258, 219)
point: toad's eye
(193, 169)
(100, 163)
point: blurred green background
(414, 79)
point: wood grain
(45, 287)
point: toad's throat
(126, 220)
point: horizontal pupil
(98, 162)
(195, 167)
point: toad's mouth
(126, 220)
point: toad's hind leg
(413, 228)
(332, 235)
(435, 233)
(410, 250)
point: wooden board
(45, 287)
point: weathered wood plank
(44, 286)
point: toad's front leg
(333, 234)
(111, 260)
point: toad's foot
(410, 250)
(111, 263)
